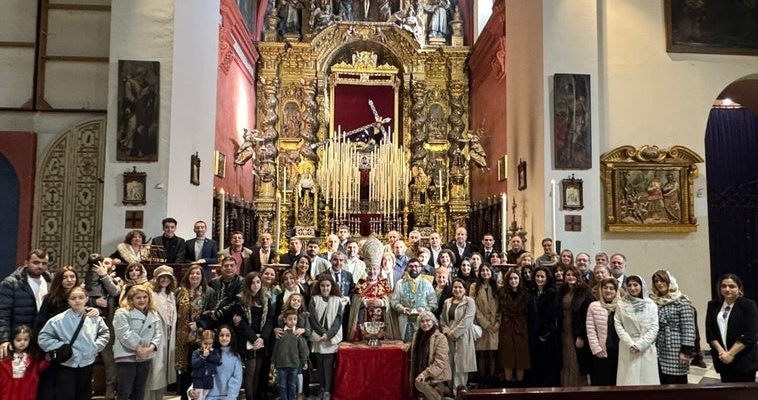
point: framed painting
(573, 194)
(712, 26)
(135, 184)
(502, 168)
(219, 165)
(648, 189)
(195, 170)
(137, 114)
(522, 175)
(572, 131)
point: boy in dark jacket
(290, 357)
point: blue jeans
(286, 381)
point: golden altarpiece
(362, 119)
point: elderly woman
(430, 361)
(730, 326)
(457, 323)
(636, 323)
(601, 334)
(131, 249)
(195, 301)
(484, 293)
(599, 273)
(513, 341)
(676, 333)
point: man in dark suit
(173, 245)
(488, 246)
(263, 253)
(294, 252)
(460, 246)
(202, 250)
(344, 281)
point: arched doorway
(68, 196)
(731, 145)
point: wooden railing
(730, 391)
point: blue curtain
(731, 151)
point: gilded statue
(476, 151)
(322, 16)
(247, 149)
(306, 194)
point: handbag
(476, 331)
(65, 351)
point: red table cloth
(365, 372)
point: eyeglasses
(725, 314)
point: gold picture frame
(649, 189)
(219, 164)
(502, 168)
(135, 185)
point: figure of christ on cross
(378, 131)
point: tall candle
(222, 216)
(555, 211)
(440, 184)
(504, 219)
(284, 185)
(278, 222)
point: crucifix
(362, 133)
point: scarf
(637, 304)
(672, 295)
(421, 350)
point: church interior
(547, 118)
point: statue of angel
(247, 148)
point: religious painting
(502, 168)
(195, 170)
(219, 165)
(522, 175)
(712, 26)
(436, 123)
(137, 115)
(573, 194)
(135, 184)
(572, 133)
(290, 125)
(649, 189)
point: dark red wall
(235, 100)
(487, 66)
(20, 148)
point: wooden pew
(728, 391)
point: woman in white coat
(636, 323)
(457, 321)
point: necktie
(199, 248)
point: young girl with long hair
(138, 336)
(228, 379)
(74, 376)
(326, 321)
(20, 373)
(253, 320)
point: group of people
(505, 318)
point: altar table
(365, 372)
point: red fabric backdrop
(364, 372)
(351, 109)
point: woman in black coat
(731, 326)
(544, 335)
